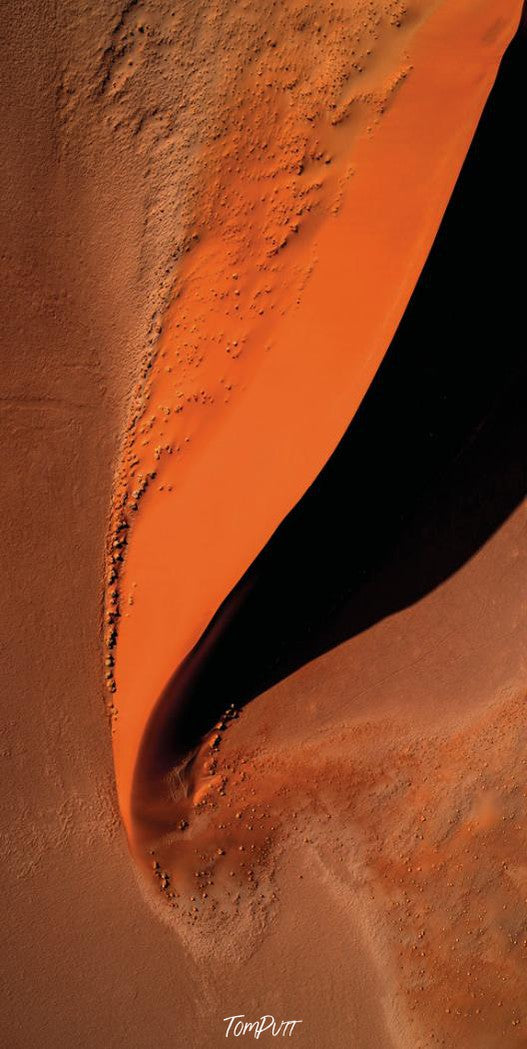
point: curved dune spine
(330, 301)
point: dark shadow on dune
(432, 464)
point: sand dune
(312, 319)
(314, 614)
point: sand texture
(263, 544)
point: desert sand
(302, 792)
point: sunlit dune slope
(395, 590)
(319, 195)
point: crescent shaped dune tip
(315, 209)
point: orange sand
(250, 392)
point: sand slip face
(320, 189)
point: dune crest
(311, 206)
